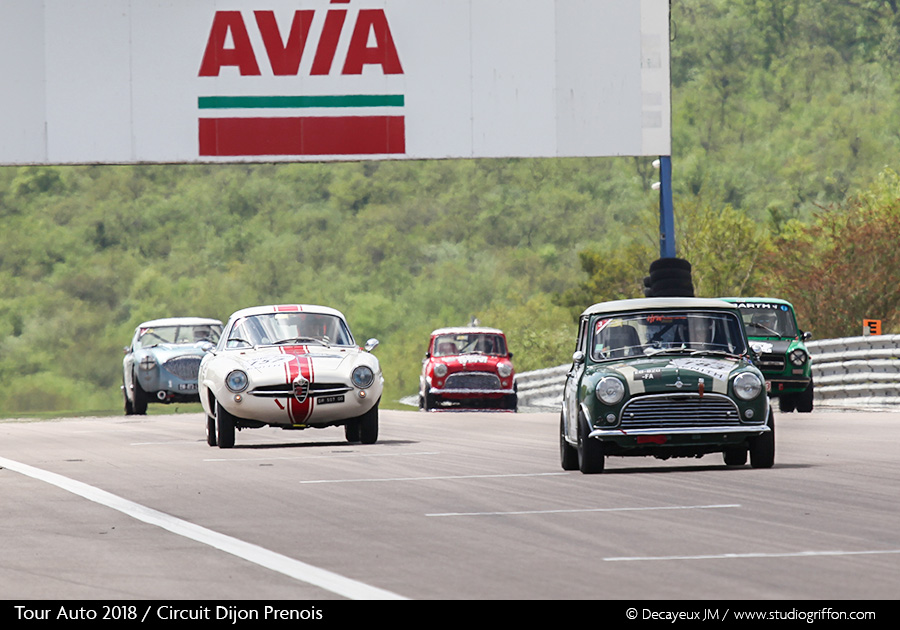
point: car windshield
(768, 320)
(469, 343)
(289, 328)
(179, 334)
(643, 334)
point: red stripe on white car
(300, 365)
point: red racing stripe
(299, 364)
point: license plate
(187, 387)
(325, 400)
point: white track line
(732, 556)
(322, 578)
(573, 511)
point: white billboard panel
(115, 81)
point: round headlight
(362, 376)
(747, 385)
(440, 370)
(504, 369)
(148, 363)
(237, 381)
(610, 390)
(797, 357)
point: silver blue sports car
(162, 362)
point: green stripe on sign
(275, 102)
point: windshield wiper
(300, 340)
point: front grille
(676, 411)
(771, 362)
(472, 380)
(284, 390)
(185, 367)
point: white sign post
(172, 81)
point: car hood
(471, 362)
(262, 361)
(165, 351)
(664, 373)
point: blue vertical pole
(666, 211)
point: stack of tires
(669, 277)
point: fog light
(610, 418)
(362, 393)
(748, 414)
(238, 398)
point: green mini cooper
(782, 355)
(664, 377)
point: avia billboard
(172, 81)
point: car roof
(287, 308)
(756, 300)
(180, 321)
(643, 304)
(464, 330)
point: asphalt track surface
(445, 506)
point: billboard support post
(666, 210)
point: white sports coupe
(290, 366)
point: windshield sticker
(601, 324)
(711, 367)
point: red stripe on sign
(315, 135)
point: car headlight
(797, 357)
(362, 376)
(504, 369)
(237, 381)
(148, 363)
(440, 370)
(609, 390)
(747, 385)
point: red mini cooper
(467, 367)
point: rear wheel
(590, 452)
(224, 427)
(762, 447)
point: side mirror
(806, 336)
(510, 355)
(578, 357)
(371, 344)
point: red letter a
(217, 55)
(383, 53)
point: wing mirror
(371, 344)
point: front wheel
(805, 399)
(368, 426)
(590, 452)
(211, 430)
(568, 454)
(224, 427)
(139, 406)
(762, 447)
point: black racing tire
(762, 447)
(129, 408)
(787, 403)
(735, 455)
(211, 431)
(805, 399)
(669, 263)
(368, 426)
(225, 427)
(670, 275)
(568, 454)
(673, 290)
(139, 405)
(591, 458)
(351, 430)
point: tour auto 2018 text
(230, 614)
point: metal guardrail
(856, 371)
(849, 372)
